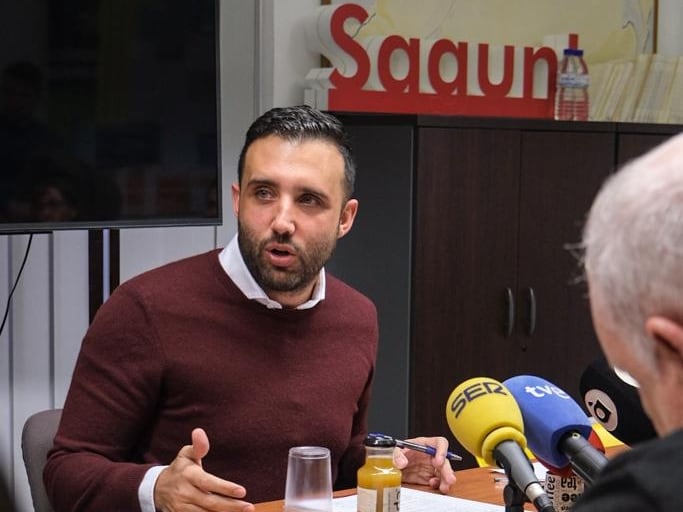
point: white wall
(669, 37)
(263, 60)
(38, 348)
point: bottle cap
(573, 51)
(379, 442)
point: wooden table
(479, 484)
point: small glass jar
(379, 481)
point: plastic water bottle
(571, 97)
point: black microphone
(615, 404)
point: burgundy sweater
(180, 347)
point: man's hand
(421, 468)
(185, 486)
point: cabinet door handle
(532, 311)
(510, 306)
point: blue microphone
(556, 427)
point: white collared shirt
(232, 262)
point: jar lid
(380, 441)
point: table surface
(478, 484)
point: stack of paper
(648, 89)
(422, 501)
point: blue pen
(429, 450)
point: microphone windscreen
(549, 414)
(482, 413)
(614, 404)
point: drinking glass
(309, 480)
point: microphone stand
(514, 497)
(507, 452)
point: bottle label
(367, 499)
(392, 499)
(573, 80)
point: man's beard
(294, 278)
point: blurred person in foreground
(242, 352)
(633, 243)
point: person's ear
(235, 198)
(667, 335)
(348, 214)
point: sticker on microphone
(563, 491)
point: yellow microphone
(485, 418)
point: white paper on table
(422, 501)
(539, 470)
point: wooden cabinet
(496, 211)
(634, 139)
(497, 288)
(375, 257)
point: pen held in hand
(430, 450)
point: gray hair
(633, 242)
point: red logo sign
(409, 75)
